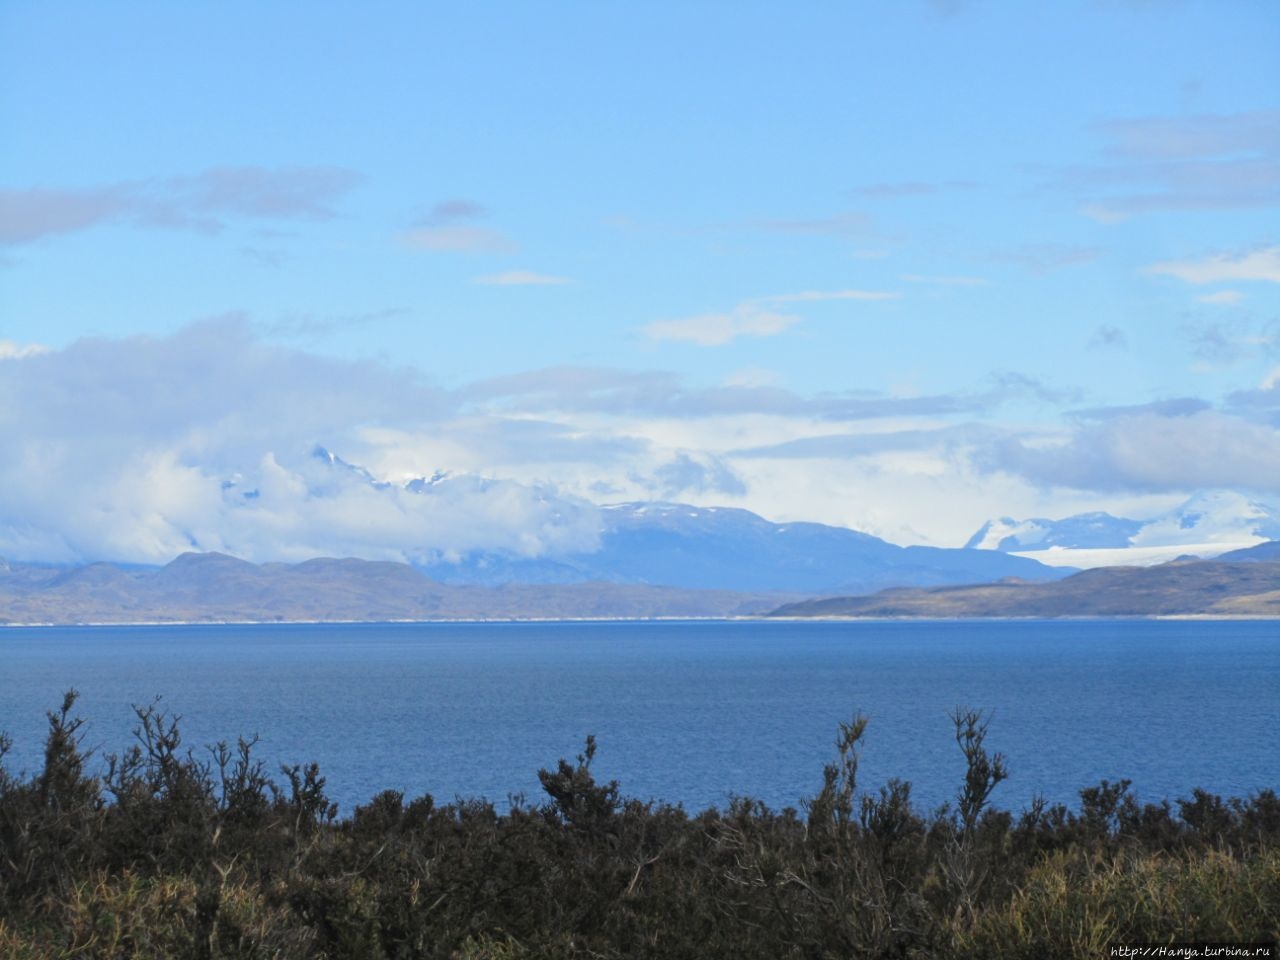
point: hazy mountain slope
(1270, 550)
(679, 545)
(213, 587)
(654, 560)
(718, 547)
(723, 548)
(1183, 588)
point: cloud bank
(717, 329)
(214, 439)
(521, 278)
(1204, 162)
(1260, 264)
(759, 317)
(1149, 452)
(449, 227)
(203, 203)
(140, 449)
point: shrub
(175, 853)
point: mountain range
(1208, 524)
(1245, 583)
(213, 587)
(673, 559)
(655, 559)
(724, 548)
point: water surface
(689, 712)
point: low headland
(215, 588)
(1188, 588)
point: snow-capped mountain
(1082, 531)
(673, 544)
(1208, 524)
(466, 529)
(1213, 517)
(458, 530)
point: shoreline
(1208, 617)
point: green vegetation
(174, 853)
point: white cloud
(1203, 162)
(1228, 338)
(1044, 258)
(929, 494)
(1262, 263)
(458, 238)
(752, 318)
(819, 296)
(753, 377)
(446, 228)
(201, 202)
(139, 449)
(944, 281)
(1224, 298)
(842, 224)
(520, 278)
(1194, 137)
(717, 329)
(1148, 452)
(912, 188)
(16, 351)
(451, 211)
(1108, 335)
(312, 326)
(28, 215)
(695, 473)
(569, 390)
(1103, 213)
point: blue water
(683, 712)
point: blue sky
(895, 266)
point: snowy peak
(1215, 516)
(457, 528)
(1209, 523)
(723, 521)
(426, 484)
(1082, 531)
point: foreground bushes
(172, 853)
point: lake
(689, 712)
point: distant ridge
(667, 544)
(1180, 588)
(726, 548)
(1262, 551)
(1207, 524)
(214, 587)
(690, 547)
(654, 560)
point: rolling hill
(1180, 588)
(211, 587)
